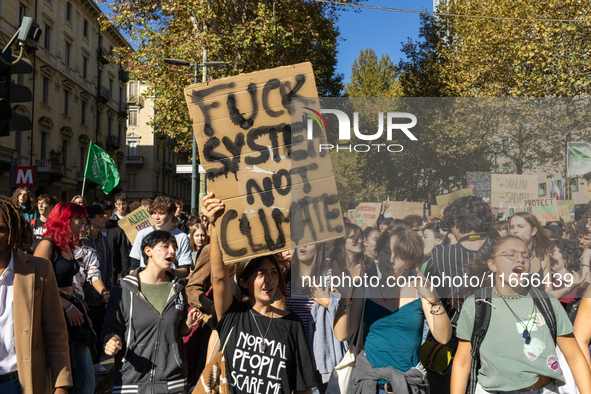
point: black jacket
(120, 248)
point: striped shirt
(300, 306)
(449, 261)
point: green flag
(101, 168)
(578, 158)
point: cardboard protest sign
(564, 213)
(400, 209)
(447, 199)
(479, 182)
(136, 221)
(436, 211)
(510, 190)
(367, 214)
(279, 190)
(570, 204)
(545, 209)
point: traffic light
(10, 93)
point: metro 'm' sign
(24, 176)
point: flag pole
(86, 168)
(83, 184)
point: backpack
(482, 315)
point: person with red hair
(61, 236)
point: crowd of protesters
(176, 318)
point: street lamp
(205, 64)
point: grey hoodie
(152, 359)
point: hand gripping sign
(279, 192)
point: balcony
(45, 167)
(104, 95)
(122, 111)
(113, 142)
(123, 76)
(166, 166)
(135, 161)
(49, 170)
(103, 54)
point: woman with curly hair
(24, 200)
(566, 258)
(61, 236)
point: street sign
(187, 169)
(24, 176)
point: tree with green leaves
(248, 35)
(371, 77)
(524, 58)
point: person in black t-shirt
(266, 350)
(45, 204)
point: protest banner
(446, 199)
(570, 205)
(545, 209)
(279, 190)
(367, 214)
(479, 182)
(401, 209)
(510, 190)
(136, 221)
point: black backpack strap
(482, 314)
(544, 305)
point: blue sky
(384, 31)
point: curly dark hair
(582, 228)
(479, 266)
(382, 220)
(414, 220)
(469, 214)
(30, 204)
(571, 253)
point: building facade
(150, 158)
(79, 96)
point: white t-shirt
(183, 252)
(7, 347)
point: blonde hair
(84, 203)
(192, 239)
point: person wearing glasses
(518, 352)
(120, 207)
(45, 204)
